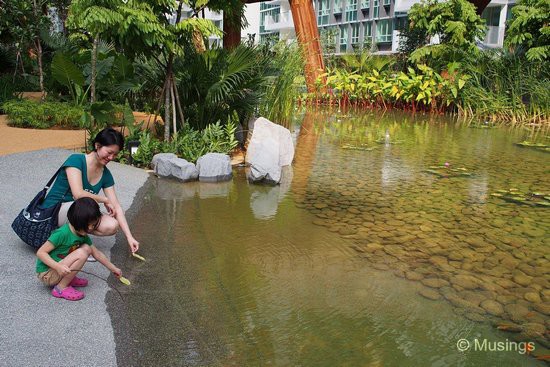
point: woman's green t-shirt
(60, 191)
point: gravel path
(38, 329)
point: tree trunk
(173, 101)
(94, 64)
(40, 67)
(38, 47)
(167, 110)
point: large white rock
(214, 167)
(264, 162)
(169, 165)
(270, 148)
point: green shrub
(8, 89)
(42, 115)
(188, 144)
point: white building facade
(352, 25)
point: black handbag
(35, 224)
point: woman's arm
(74, 175)
(121, 218)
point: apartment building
(351, 25)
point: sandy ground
(16, 140)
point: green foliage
(8, 89)
(215, 84)
(148, 147)
(284, 82)
(529, 29)
(65, 72)
(416, 89)
(454, 22)
(188, 143)
(506, 86)
(42, 115)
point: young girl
(68, 247)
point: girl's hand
(117, 272)
(63, 269)
(133, 244)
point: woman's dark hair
(83, 212)
(109, 136)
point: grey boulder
(170, 166)
(214, 167)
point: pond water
(363, 256)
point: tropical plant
(285, 82)
(215, 84)
(454, 23)
(21, 23)
(529, 29)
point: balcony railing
(278, 21)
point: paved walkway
(36, 328)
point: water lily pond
(390, 240)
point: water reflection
(265, 199)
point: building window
(323, 11)
(337, 6)
(367, 35)
(386, 2)
(492, 15)
(492, 19)
(400, 23)
(376, 8)
(351, 11)
(383, 31)
(365, 4)
(343, 38)
(355, 35)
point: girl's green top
(60, 190)
(64, 242)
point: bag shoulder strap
(50, 182)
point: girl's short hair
(109, 136)
(83, 212)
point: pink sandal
(68, 293)
(78, 282)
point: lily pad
(518, 197)
(537, 146)
(483, 125)
(357, 147)
(389, 141)
(444, 171)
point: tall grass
(285, 82)
(506, 87)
